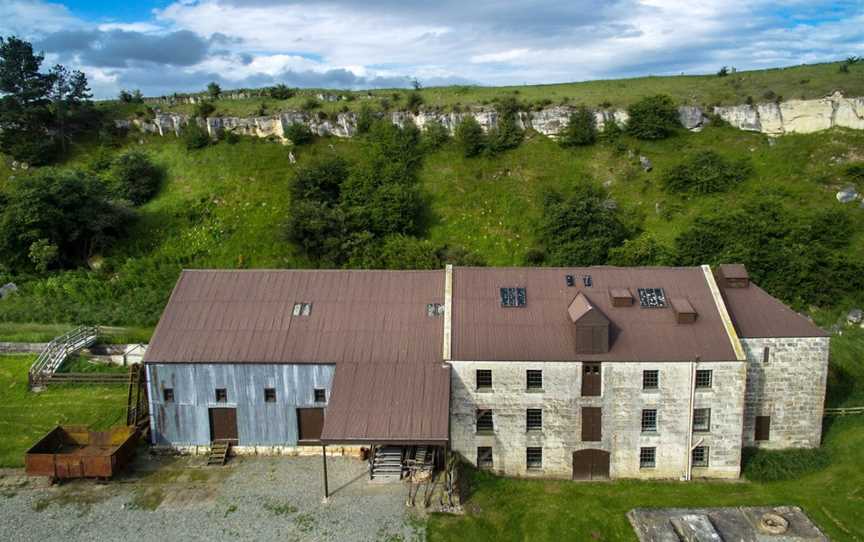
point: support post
(324, 455)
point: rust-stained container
(73, 451)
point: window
(484, 457)
(766, 355)
(484, 421)
(591, 380)
(221, 395)
(701, 419)
(647, 458)
(534, 379)
(649, 420)
(513, 297)
(320, 395)
(763, 428)
(168, 395)
(302, 309)
(650, 379)
(534, 458)
(700, 456)
(269, 395)
(484, 379)
(434, 309)
(703, 378)
(534, 419)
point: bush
(777, 465)
(280, 92)
(133, 177)
(706, 173)
(398, 252)
(469, 136)
(506, 134)
(435, 135)
(310, 104)
(655, 117)
(320, 180)
(365, 119)
(581, 128)
(644, 250)
(580, 229)
(855, 174)
(415, 100)
(611, 131)
(203, 110)
(214, 90)
(195, 137)
(299, 134)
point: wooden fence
(847, 411)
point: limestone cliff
(793, 116)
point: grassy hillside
(797, 82)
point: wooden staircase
(56, 352)
(386, 464)
(219, 450)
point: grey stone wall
(790, 389)
(622, 400)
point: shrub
(723, 72)
(214, 90)
(506, 134)
(365, 119)
(195, 137)
(641, 251)
(203, 109)
(299, 134)
(706, 173)
(397, 252)
(415, 100)
(435, 135)
(655, 117)
(580, 229)
(280, 92)
(855, 174)
(611, 131)
(470, 137)
(134, 177)
(320, 180)
(581, 128)
(777, 465)
(309, 104)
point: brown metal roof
(756, 314)
(389, 384)
(542, 330)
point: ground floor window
(484, 457)
(647, 458)
(534, 458)
(700, 456)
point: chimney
(621, 297)
(735, 275)
(684, 311)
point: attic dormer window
(434, 309)
(302, 309)
(513, 297)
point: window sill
(484, 390)
(650, 390)
(534, 431)
(485, 433)
(650, 433)
(534, 390)
(652, 467)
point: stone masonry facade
(621, 401)
(789, 388)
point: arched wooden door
(591, 465)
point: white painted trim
(724, 314)
(448, 311)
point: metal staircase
(386, 464)
(58, 350)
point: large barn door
(590, 465)
(223, 424)
(310, 422)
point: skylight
(652, 298)
(513, 297)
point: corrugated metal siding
(186, 422)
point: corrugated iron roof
(542, 330)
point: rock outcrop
(794, 116)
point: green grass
(796, 82)
(29, 332)
(26, 416)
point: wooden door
(592, 430)
(591, 379)
(763, 428)
(590, 465)
(223, 424)
(310, 422)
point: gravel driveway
(254, 498)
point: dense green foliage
(280, 92)
(134, 177)
(705, 173)
(654, 117)
(581, 128)
(57, 218)
(506, 133)
(299, 134)
(580, 229)
(195, 137)
(203, 109)
(641, 251)
(776, 465)
(435, 135)
(470, 137)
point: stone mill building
(589, 373)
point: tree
(25, 105)
(655, 117)
(705, 173)
(203, 109)
(299, 134)
(641, 251)
(280, 92)
(125, 96)
(214, 90)
(133, 177)
(435, 135)
(56, 217)
(365, 119)
(68, 92)
(195, 137)
(506, 134)
(581, 128)
(470, 137)
(580, 229)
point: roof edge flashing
(724, 314)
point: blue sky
(163, 46)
